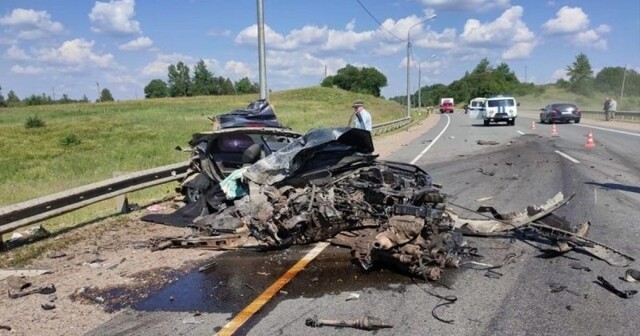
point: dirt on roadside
(90, 263)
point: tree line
(180, 83)
(13, 100)
(357, 79)
(486, 80)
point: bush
(34, 122)
(70, 140)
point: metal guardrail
(21, 214)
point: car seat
(252, 154)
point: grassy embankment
(136, 135)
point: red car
(446, 107)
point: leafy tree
(3, 103)
(203, 82)
(157, 88)
(362, 80)
(227, 87)
(84, 99)
(610, 79)
(105, 95)
(179, 80)
(12, 98)
(580, 75)
(245, 86)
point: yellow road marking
(263, 298)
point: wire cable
(379, 23)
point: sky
(76, 47)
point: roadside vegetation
(51, 148)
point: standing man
(613, 105)
(363, 118)
(607, 112)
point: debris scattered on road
(46, 289)
(353, 296)
(25, 272)
(487, 142)
(365, 323)
(632, 275)
(5, 327)
(56, 254)
(155, 208)
(48, 306)
(207, 266)
(262, 273)
(579, 266)
(625, 294)
(83, 292)
(191, 320)
(486, 172)
(17, 283)
(484, 199)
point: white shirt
(366, 120)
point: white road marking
(609, 130)
(432, 142)
(521, 132)
(567, 156)
(595, 196)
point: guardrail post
(122, 202)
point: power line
(379, 23)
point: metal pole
(419, 86)
(624, 75)
(261, 53)
(408, 66)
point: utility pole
(261, 52)
(419, 86)
(624, 75)
(325, 71)
(53, 89)
(525, 74)
(98, 85)
(409, 59)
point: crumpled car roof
(258, 113)
(289, 160)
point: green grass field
(136, 135)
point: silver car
(560, 112)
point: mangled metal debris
(327, 185)
(365, 323)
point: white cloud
(29, 24)
(310, 37)
(78, 52)
(239, 69)
(559, 74)
(16, 54)
(568, 20)
(590, 38)
(603, 29)
(141, 43)
(114, 17)
(466, 5)
(508, 31)
(160, 65)
(351, 25)
(28, 70)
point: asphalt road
(526, 167)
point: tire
(486, 122)
(541, 120)
(191, 195)
(512, 122)
(577, 121)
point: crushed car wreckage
(327, 185)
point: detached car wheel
(191, 194)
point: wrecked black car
(239, 138)
(327, 185)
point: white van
(500, 108)
(475, 107)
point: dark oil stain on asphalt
(238, 277)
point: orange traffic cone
(590, 143)
(533, 125)
(554, 131)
